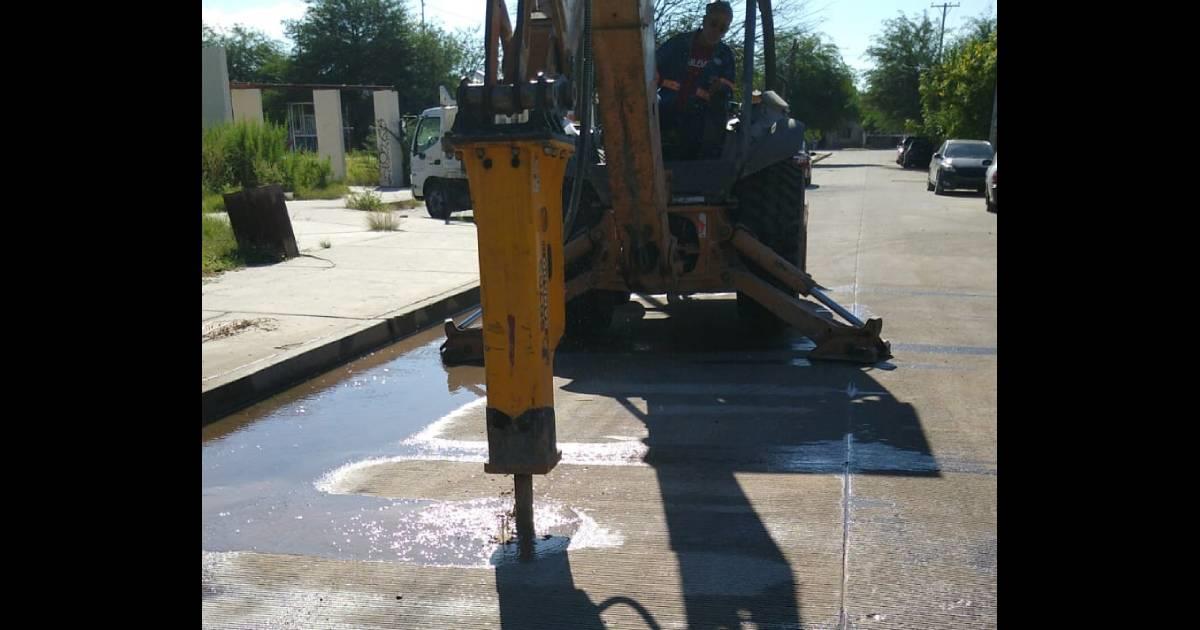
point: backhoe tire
(771, 204)
(592, 313)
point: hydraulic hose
(583, 147)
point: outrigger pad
(462, 347)
(858, 345)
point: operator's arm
(666, 60)
(726, 70)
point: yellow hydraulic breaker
(516, 188)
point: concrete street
(711, 477)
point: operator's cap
(720, 6)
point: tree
(816, 83)
(376, 42)
(352, 41)
(470, 42)
(252, 56)
(957, 96)
(680, 16)
(672, 17)
(906, 48)
(440, 58)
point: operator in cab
(695, 75)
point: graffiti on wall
(383, 141)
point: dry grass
(227, 328)
(365, 200)
(385, 221)
(404, 204)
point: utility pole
(423, 15)
(944, 7)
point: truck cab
(438, 178)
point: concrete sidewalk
(265, 328)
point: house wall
(216, 105)
(247, 105)
(327, 104)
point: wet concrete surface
(711, 477)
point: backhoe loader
(570, 225)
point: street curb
(240, 393)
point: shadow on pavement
(714, 409)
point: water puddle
(469, 533)
(272, 473)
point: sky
(849, 24)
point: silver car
(959, 164)
(989, 191)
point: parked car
(803, 158)
(989, 193)
(959, 164)
(914, 151)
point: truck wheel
(771, 204)
(436, 202)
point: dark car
(959, 164)
(803, 159)
(914, 152)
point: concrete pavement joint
(862, 211)
(847, 489)
(913, 292)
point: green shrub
(252, 144)
(219, 251)
(304, 170)
(269, 172)
(365, 200)
(214, 169)
(234, 153)
(334, 190)
(214, 202)
(362, 169)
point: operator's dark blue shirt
(677, 85)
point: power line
(944, 7)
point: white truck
(438, 178)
